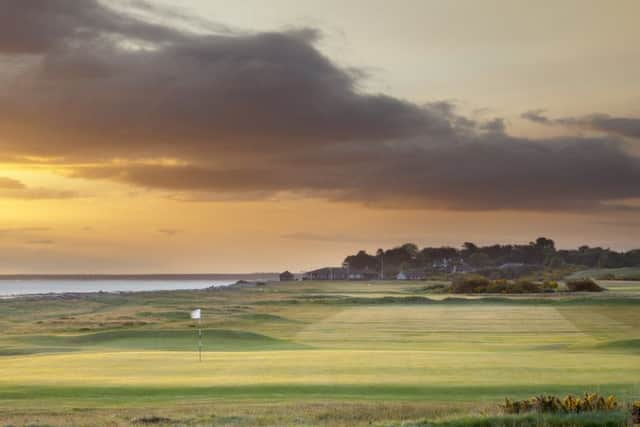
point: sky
(202, 136)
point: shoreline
(148, 277)
(223, 284)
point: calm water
(45, 286)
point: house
(511, 266)
(442, 264)
(414, 274)
(327, 273)
(451, 265)
(287, 276)
(363, 274)
(462, 267)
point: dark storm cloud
(622, 126)
(37, 26)
(261, 114)
(486, 173)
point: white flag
(195, 314)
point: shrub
(527, 287)
(554, 404)
(583, 285)
(435, 288)
(470, 284)
(480, 284)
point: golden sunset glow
(221, 139)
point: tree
(411, 249)
(361, 261)
(380, 256)
(556, 262)
(479, 260)
(470, 247)
(544, 243)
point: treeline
(540, 253)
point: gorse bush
(583, 285)
(480, 285)
(470, 284)
(569, 404)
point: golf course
(309, 353)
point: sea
(11, 287)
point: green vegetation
(538, 260)
(569, 404)
(312, 353)
(593, 419)
(583, 285)
(474, 284)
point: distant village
(345, 272)
(408, 262)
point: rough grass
(592, 419)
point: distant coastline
(72, 284)
(146, 277)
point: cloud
(31, 233)
(13, 189)
(21, 230)
(25, 193)
(169, 232)
(39, 26)
(536, 116)
(314, 237)
(209, 115)
(10, 184)
(41, 242)
(622, 126)
(364, 239)
(621, 224)
(569, 174)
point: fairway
(303, 342)
(326, 367)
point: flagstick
(199, 340)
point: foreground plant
(569, 404)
